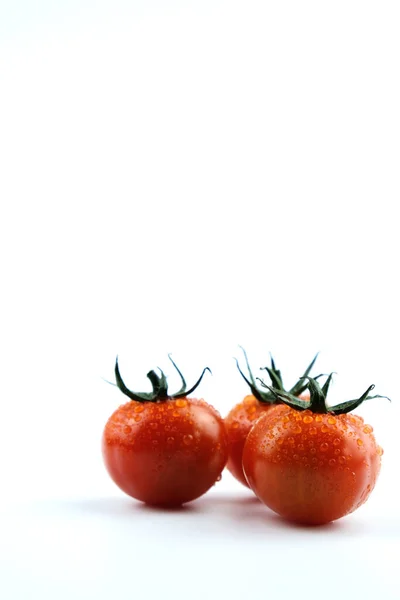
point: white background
(185, 177)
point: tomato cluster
(309, 463)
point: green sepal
(261, 396)
(183, 387)
(269, 396)
(317, 403)
(274, 375)
(286, 398)
(301, 385)
(159, 384)
(182, 394)
(344, 406)
(139, 397)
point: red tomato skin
(309, 468)
(238, 424)
(165, 453)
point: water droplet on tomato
(219, 477)
(170, 440)
(153, 425)
(336, 442)
(368, 429)
(313, 431)
(137, 418)
(181, 403)
(308, 419)
(332, 462)
(138, 409)
(379, 451)
(324, 447)
(331, 420)
(318, 419)
(297, 429)
(360, 442)
(188, 439)
(127, 429)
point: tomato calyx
(159, 384)
(272, 396)
(317, 402)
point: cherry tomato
(311, 464)
(243, 416)
(161, 449)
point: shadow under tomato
(231, 514)
(250, 512)
(182, 508)
(126, 506)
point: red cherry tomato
(164, 450)
(312, 467)
(244, 415)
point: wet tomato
(244, 415)
(161, 449)
(309, 463)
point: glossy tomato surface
(311, 468)
(238, 423)
(165, 453)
